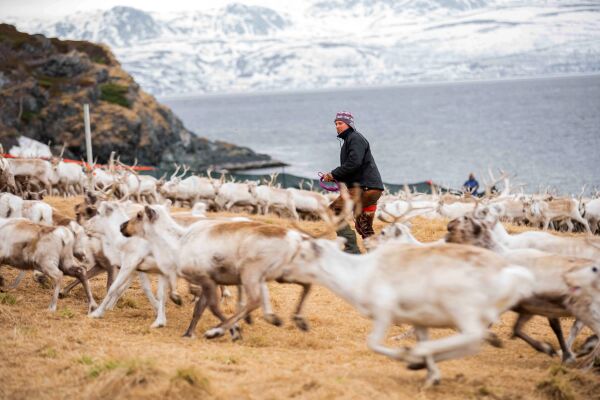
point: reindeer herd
(124, 227)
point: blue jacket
(471, 186)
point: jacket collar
(344, 135)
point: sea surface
(544, 132)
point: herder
(359, 172)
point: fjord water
(545, 130)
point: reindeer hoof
(61, 295)
(214, 333)
(188, 334)
(236, 333)
(301, 323)
(494, 340)
(248, 319)
(273, 319)
(431, 381)
(158, 324)
(175, 298)
(95, 314)
(548, 349)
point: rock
(65, 65)
(44, 84)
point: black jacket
(357, 163)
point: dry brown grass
(67, 355)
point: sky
(55, 8)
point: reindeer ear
(151, 214)
(168, 203)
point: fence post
(88, 142)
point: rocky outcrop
(44, 83)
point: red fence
(87, 166)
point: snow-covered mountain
(340, 43)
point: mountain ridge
(342, 43)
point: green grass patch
(48, 352)
(28, 116)
(66, 313)
(85, 360)
(8, 299)
(114, 93)
(130, 366)
(99, 60)
(193, 378)
(127, 302)
(557, 386)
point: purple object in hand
(329, 186)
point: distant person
(471, 186)
(359, 172)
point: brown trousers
(363, 220)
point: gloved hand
(328, 177)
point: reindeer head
(81, 242)
(395, 231)
(143, 221)
(469, 230)
(311, 255)
(87, 209)
(584, 279)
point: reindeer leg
(539, 346)
(199, 308)
(298, 319)
(95, 270)
(575, 329)
(433, 372)
(567, 354)
(161, 315)
(115, 291)
(147, 288)
(16, 282)
(56, 275)
(381, 324)
(79, 273)
(253, 292)
(268, 314)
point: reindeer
(548, 269)
(270, 196)
(26, 245)
(236, 194)
(35, 169)
(214, 252)
(555, 209)
(7, 176)
(70, 176)
(309, 203)
(438, 286)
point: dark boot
(347, 233)
(364, 224)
